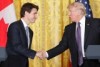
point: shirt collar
(82, 21)
(24, 23)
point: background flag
(88, 8)
(7, 15)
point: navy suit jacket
(17, 43)
(92, 37)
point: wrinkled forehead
(73, 9)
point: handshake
(41, 54)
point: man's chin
(33, 21)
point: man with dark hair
(27, 7)
(20, 38)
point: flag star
(89, 15)
(85, 2)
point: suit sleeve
(15, 42)
(61, 47)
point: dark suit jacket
(17, 45)
(92, 37)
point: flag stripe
(7, 16)
(4, 3)
(3, 32)
(9, 11)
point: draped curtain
(49, 27)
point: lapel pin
(88, 24)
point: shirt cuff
(47, 55)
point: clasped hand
(41, 54)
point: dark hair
(27, 7)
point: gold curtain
(48, 28)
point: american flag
(88, 8)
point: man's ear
(26, 13)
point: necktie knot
(27, 29)
(78, 25)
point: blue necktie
(78, 40)
(27, 34)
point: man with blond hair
(77, 36)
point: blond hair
(78, 6)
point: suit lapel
(87, 30)
(73, 29)
(23, 30)
(31, 35)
